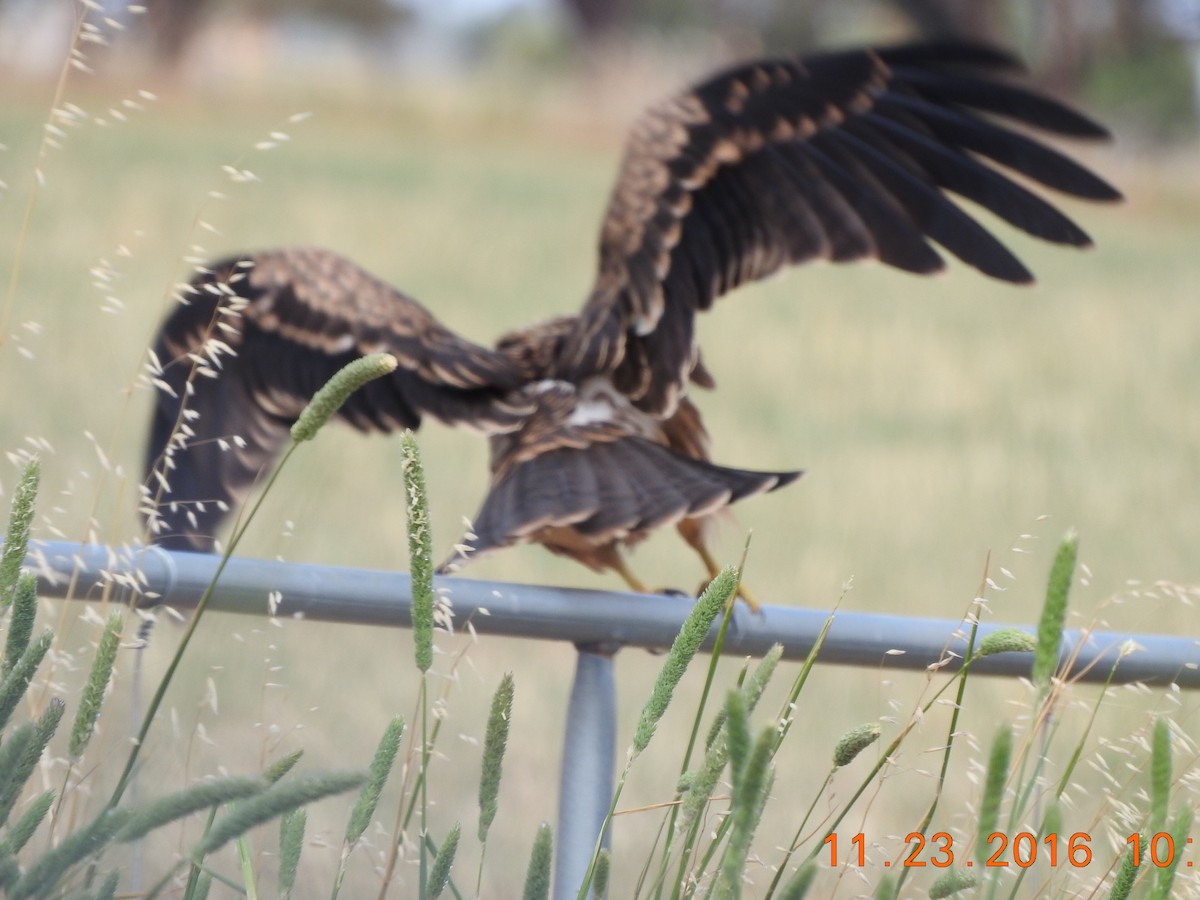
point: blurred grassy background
(939, 420)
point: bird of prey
(594, 438)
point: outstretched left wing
(251, 342)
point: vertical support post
(586, 778)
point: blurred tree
(170, 26)
(598, 20)
(976, 19)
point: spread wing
(254, 338)
(839, 156)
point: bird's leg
(618, 565)
(692, 531)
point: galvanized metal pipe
(371, 597)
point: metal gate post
(586, 779)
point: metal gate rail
(588, 619)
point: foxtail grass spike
(701, 783)
(439, 872)
(886, 889)
(12, 751)
(993, 789)
(1006, 640)
(1054, 612)
(20, 620)
(10, 871)
(494, 744)
(420, 551)
(1164, 876)
(600, 876)
(291, 842)
(49, 868)
(1160, 774)
(1052, 821)
(16, 680)
(202, 887)
(280, 768)
(22, 829)
(97, 684)
(1126, 875)
(537, 876)
(695, 629)
(750, 784)
(951, 883)
(183, 803)
(20, 521)
(737, 732)
(108, 890)
(278, 799)
(854, 742)
(381, 767)
(329, 399)
(18, 768)
(798, 885)
(757, 682)
(699, 786)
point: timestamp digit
(944, 844)
(1159, 861)
(1135, 845)
(1051, 842)
(1029, 842)
(912, 858)
(859, 843)
(1079, 849)
(994, 859)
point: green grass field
(939, 421)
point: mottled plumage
(594, 440)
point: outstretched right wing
(843, 156)
(254, 338)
